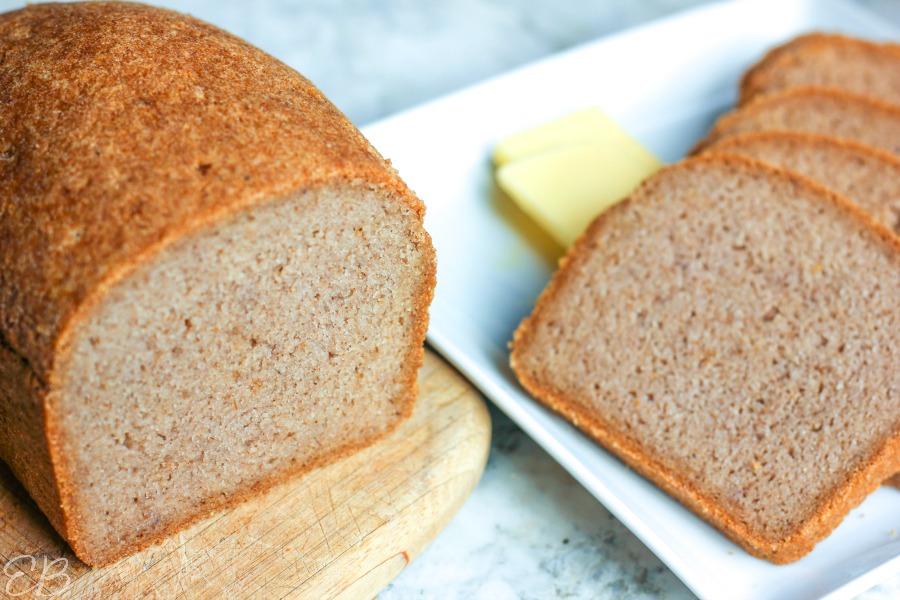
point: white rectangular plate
(665, 83)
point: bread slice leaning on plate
(827, 60)
(814, 110)
(868, 176)
(209, 280)
(731, 332)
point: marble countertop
(529, 530)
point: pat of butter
(566, 172)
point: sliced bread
(868, 176)
(815, 110)
(731, 331)
(209, 280)
(827, 60)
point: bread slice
(731, 331)
(868, 176)
(209, 280)
(827, 60)
(815, 110)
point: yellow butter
(565, 185)
(589, 124)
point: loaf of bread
(815, 110)
(868, 176)
(827, 60)
(209, 280)
(731, 331)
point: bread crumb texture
(868, 176)
(731, 331)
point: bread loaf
(209, 280)
(815, 110)
(827, 60)
(868, 176)
(731, 331)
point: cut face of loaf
(827, 60)
(264, 344)
(868, 176)
(209, 280)
(731, 332)
(815, 110)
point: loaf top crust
(124, 127)
(828, 60)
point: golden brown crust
(884, 461)
(110, 149)
(227, 124)
(761, 78)
(23, 445)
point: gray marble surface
(529, 530)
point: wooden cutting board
(345, 530)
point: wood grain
(345, 530)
